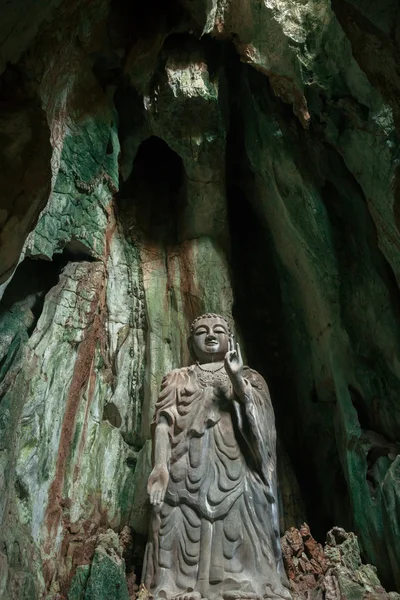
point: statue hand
(234, 362)
(157, 484)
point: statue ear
(190, 346)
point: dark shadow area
(35, 277)
(133, 26)
(151, 201)
(361, 407)
(112, 415)
(354, 231)
(137, 21)
(362, 266)
(134, 556)
(131, 122)
(25, 171)
(28, 287)
(262, 322)
(134, 34)
(73, 251)
(20, 308)
(257, 309)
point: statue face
(210, 339)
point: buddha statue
(214, 530)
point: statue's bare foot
(238, 595)
(189, 596)
(282, 594)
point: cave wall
(224, 156)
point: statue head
(209, 338)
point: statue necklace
(209, 377)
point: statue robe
(217, 531)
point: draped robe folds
(217, 530)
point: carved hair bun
(209, 316)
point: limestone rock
(105, 578)
(160, 159)
(334, 572)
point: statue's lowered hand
(157, 484)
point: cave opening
(34, 277)
(151, 202)
(27, 289)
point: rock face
(104, 576)
(167, 158)
(334, 572)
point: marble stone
(214, 531)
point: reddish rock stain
(81, 373)
(191, 296)
(83, 377)
(80, 541)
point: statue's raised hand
(157, 484)
(234, 361)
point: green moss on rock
(79, 582)
(104, 578)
